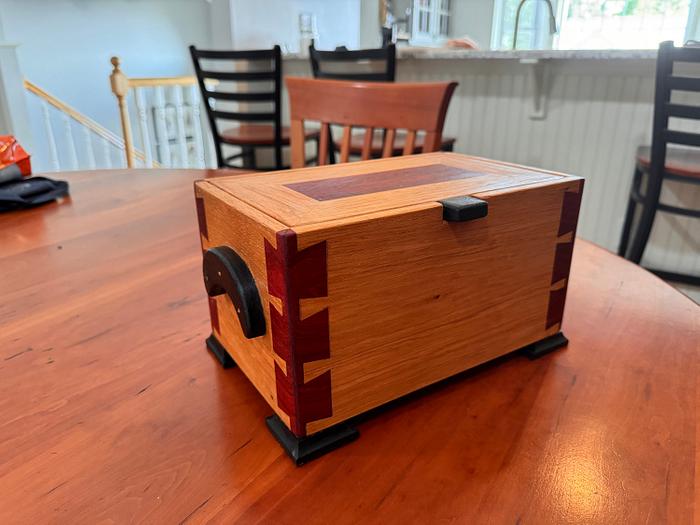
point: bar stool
(257, 129)
(660, 162)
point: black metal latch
(461, 209)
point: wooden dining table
(112, 410)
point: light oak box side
(226, 221)
(413, 299)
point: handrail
(184, 80)
(74, 114)
(162, 81)
(80, 118)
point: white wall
(264, 23)
(474, 19)
(66, 44)
(14, 115)
(221, 30)
(370, 25)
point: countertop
(440, 53)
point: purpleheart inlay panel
(353, 185)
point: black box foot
(304, 449)
(216, 348)
(544, 346)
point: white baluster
(180, 123)
(161, 127)
(53, 150)
(87, 137)
(72, 151)
(107, 153)
(196, 126)
(143, 126)
(124, 161)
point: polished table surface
(112, 411)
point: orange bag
(12, 153)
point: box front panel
(225, 222)
(413, 299)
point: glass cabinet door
(430, 22)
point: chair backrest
(363, 65)
(385, 105)
(669, 81)
(253, 66)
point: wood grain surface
(112, 411)
(281, 194)
(341, 187)
(413, 299)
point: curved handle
(226, 273)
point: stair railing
(94, 144)
(171, 127)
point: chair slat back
(668, 83)
(409, 106)
(362, 65)
(267, 69)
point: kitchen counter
(509, 54)
(441, 53)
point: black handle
(461, 209)
(226, 272)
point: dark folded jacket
(33, 191)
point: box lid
(320, 194)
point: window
(595, 24)
(430, 21)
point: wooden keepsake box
(336, 289)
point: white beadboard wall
(598, 112)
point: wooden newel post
(120, 88)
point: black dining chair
(365, 65)
(227, 102)
(361, 65)
(660, 162)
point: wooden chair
(661, 162)
(257, 129)
(365, 65)
(372, 105)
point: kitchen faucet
(552, 20)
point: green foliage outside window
(595, 19)
(592, 8)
